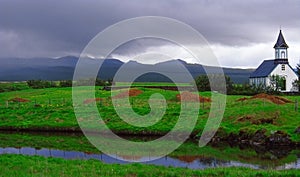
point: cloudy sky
(241, 33)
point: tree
(277, 83)
(298, 72)
(37, 84)
(203, 84)
(65, 83)
(296, 84)
(229, 84)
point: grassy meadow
(12, 165)
(52, 108)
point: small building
(277, 67)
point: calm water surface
(186, 161)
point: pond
(189, 155)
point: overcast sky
(241, 33)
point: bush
(37, 84)
(65, 83)
(6, 87)
(203, 84)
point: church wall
(258, 81)
(288, 73)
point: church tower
(281, 53)
(264, 74)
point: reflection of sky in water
(199, 163)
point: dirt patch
(191, 97)
(264, 121)
(17, 99)
(58, 120)
(91, 100)
(257, 120)
(130, 93)
(272, 98)
(245, 118)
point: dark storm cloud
(53, 28)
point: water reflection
(193, 162)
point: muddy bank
(42, 129)
(259, 138)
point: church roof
(280, 41)
(264, 69)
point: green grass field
(19, 165)
(55, 110)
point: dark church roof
(267, 67)
(280, 41)
(264, 69)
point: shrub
(203, 84)
(37, 84)
(65, 83)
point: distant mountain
(20, 69)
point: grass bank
(19, 165)
(187, 152)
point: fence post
(296, 105)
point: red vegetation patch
(89, 153)
(132, 92)
(91, 100)
(17, 99)
(188, 96)
(272, 98)
(242, 99)
(187, 158)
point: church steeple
(281, 48)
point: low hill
(20, 69)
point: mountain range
(22, 69)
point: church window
(282, 54)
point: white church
(279, 66)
